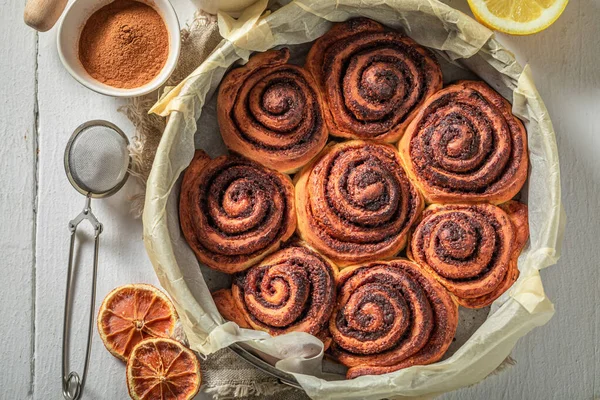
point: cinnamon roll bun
(355, 203)
(233, 212)
(228, 308)
(373, 80)
(291, 290)
(465, 145)
(472, 250)
(270, 112)
(390, 315)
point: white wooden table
(41, 105)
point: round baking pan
(161, 198)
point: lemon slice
(517, 17)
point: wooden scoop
(41, 15)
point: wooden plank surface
(64, 104)
(17, 198)
(560, 360)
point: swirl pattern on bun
(292, 290)
(390, 315)
(355, 203)
(270, 112)
(233, 211)
(373, 80)
(472, 250)
(465, 145)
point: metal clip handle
(72, 382)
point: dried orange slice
(161, 369)
(132, 313)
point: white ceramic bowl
(68, 41)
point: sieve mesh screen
(98, 159)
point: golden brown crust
(292, 290)
(517, 212)
(270, 112)
(390, 315)
(233, 212)
(472, 250)
(228, 308)
(465, 145)
(372, 79)
(325, 337)
(355, 203)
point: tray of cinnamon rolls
(364, 199)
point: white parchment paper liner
(457, 38)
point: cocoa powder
(124, 44)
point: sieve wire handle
(72, 382)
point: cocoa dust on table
(124, 44)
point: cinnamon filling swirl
(355, 203)
(233, 212)
(389, 316)
(270, 111)
(465, 145)
(471, 249)
(372, 79)
(291, 290)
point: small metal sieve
(96, 163)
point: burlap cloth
(225, 375)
